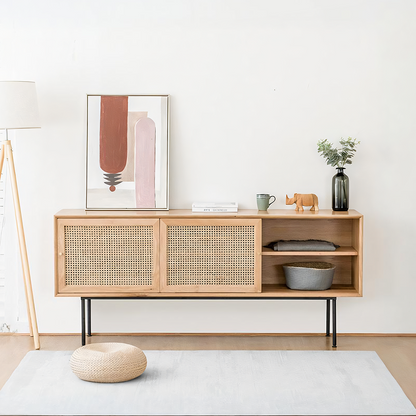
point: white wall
(254, 85)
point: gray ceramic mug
(263, 201)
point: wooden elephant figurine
(301, 200)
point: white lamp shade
(18, 105)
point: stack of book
(215, 207)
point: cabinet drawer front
(105, 256)
(210, 255)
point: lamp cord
(4, 176)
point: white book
(215, 205)
(214, 209)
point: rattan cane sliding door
(108, 257)
(210, 255)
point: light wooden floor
(397, 353)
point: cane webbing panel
(210, 255)
(108, 255)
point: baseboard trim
(220, 334)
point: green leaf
(338, 157)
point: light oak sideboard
(179, 254)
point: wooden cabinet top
(187, 213)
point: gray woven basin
(309, 276)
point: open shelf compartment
(345, 232)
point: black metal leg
(334, 322)
(83, 321)
(89, 316)
(328, 315)
(86, 315)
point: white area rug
(212, 383)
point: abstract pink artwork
(127, 152)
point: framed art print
(127, 152)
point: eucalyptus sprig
(338, 157)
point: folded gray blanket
(303, 245)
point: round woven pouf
(108, 362)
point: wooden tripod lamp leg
(1, 158)
(22, 244)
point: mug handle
(272, 196)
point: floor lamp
(19, 110)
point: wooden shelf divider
(341, 251)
